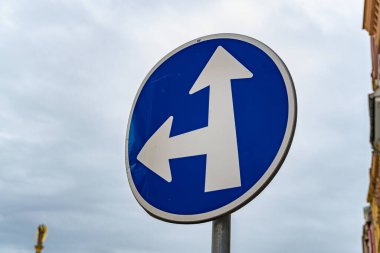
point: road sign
(209, 128)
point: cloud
(69, 72)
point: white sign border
(271, 171)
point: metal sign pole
(221, 234)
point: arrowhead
(154, 154)
(222, 65)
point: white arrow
(217, 140)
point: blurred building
(371, 228)
(371, 23)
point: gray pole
(221, 234)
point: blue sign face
(209, 128)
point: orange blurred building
(371, 228)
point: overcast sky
(69, 71)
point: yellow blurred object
(41, 236)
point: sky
(69, 71)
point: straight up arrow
(217, 140)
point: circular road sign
(209, 128)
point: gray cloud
(69, 71)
